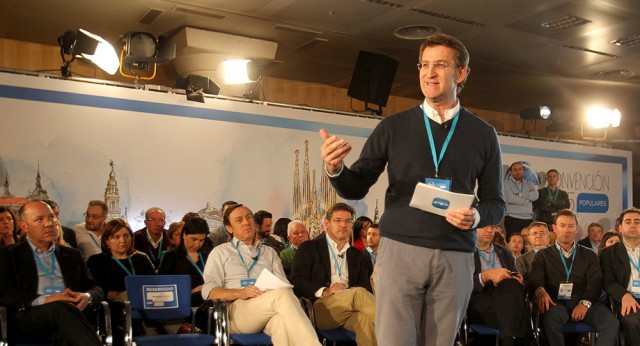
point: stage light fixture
(535, 113)
(600, 118)
(142, 51)
(196, 86)
(240, 71)
(85, 45)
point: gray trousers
(421, 294)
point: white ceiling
(515, 61)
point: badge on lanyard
(635, 288)
(564, 292)
(444, 184)
(247, 282)
(52, 290)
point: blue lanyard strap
(153, 257)
(564, 261)
(129, 272)
(520, 188)
(336, 264)
(95, 239)
(636, 264)
(493, 257)
(50, 274)
(554, 197)
(255, 260)
(195, 265)
(437, 159)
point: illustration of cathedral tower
(7, 193)
(38, 192)
(111, 194)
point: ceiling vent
(615, 74)
(385, 3)
(149, 16)
(565, 22)
(311, 43)
(629, 41)
(583, 49)
(296, 30)
(448, 17)
(198, 12)
(415, 32)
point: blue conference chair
(162, 297)
(223, 335)
(327, 335)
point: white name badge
(247, 282)
(52, 290)
(635, 288)
(564, 292)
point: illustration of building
(38, 192)
(308, 206)
(112, 195)
(14, 203)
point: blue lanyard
(436, 161)
(50, 274)
(636, 265)
(493, 257)
(335, 260)
(95, 239)
(195, 265)
(520, 188)
(153, 257)
(564, 261)
(554, 197)
(255, 260)
(129, 272)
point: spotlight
(534, 113)
(196, 86)
(143, 51)
(83, 44)
(240, 71)
(599, 118)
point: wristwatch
(586, 303)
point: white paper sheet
(267, 281)
(438, 201)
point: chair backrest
(159, 297)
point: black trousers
(58, 322)
(502, 307)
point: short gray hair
(293, 223)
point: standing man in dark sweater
(425, 258)
(567, 282)
(551, 199)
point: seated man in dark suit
(621, 269)
(497, 299)
(46, 287)
(153, 238)
(336, 276)
(539, 239)
(593, 238)
(567, 282)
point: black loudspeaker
(372, 78)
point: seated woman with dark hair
(360, 227)
(189, 256)
(8, 224)
(109, 268)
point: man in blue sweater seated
(424, 258)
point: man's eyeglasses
(342, 222)
(6, 219)
(439, 65)
(539, 234)
(93, 216)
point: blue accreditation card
(53, 290)
(247, 282)
(635, 288)
(444, 184)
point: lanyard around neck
(336, 264)
(94, 239)
(636, 264)
(493, 257)
(564, 261)
(554, 196)
(437, 159)
(129, 272)
(521, 187)
(50, 274)
(153, 256)
(255, 260)
(195, 265)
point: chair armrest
(128, 330)
(3, 326)
(107, 334)
(307, 306)
(221, 319)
